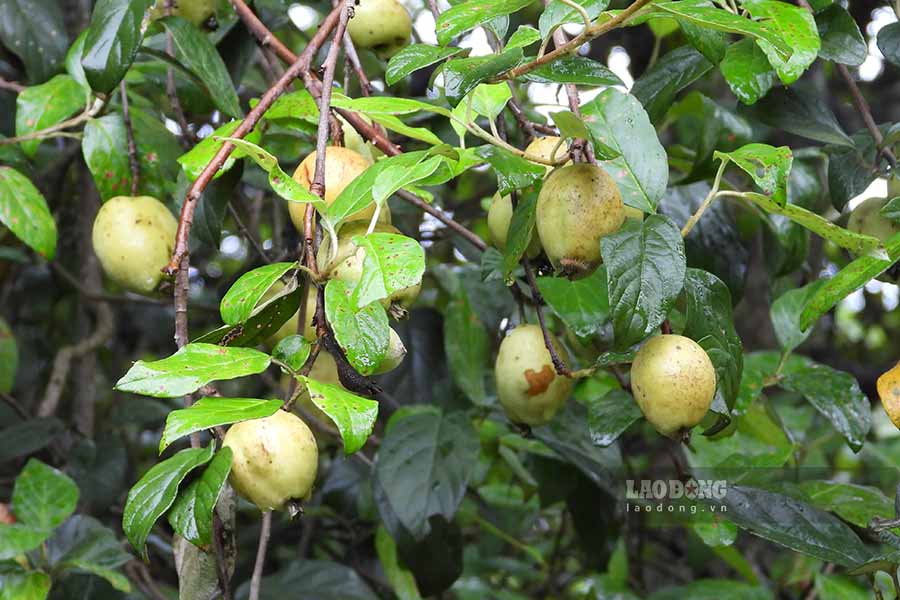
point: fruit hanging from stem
(384, 26)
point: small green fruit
(197, 12)
(866, 218)
(674, 383)
(383, 26)
(134, 238)
(528, 386)
(342, 166)
(396, 352)
(348, 264)
(274, 462)
(498, 219)
(578, 205)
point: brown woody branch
(132, 147)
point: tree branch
(265, 531)
(132, 147)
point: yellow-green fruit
(396, 352)
(384, 26)
(348, 264)
(134, 237)
(195, 11)
(867, 219)
(578, 205)
(633, 213)
(544, 147)
(354, 141)
(498, 219)
(274, 462)
(528, 386)
(674, 383)
(342, 166)
(289, 327)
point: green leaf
(353, 415)
(489, 99)
(25, 437)
(709, 321)
(283, 184)
(155, 492)
(18, 539)
(402, 581)
(470, 14)
(17, 583)
(461, 75)
(713, 589)
(793, 26)
(41, 106)
(569, 125)
(214, 411)
(414, 57)
(189, 369)
(842, 42)
(645, 269)
(319, 579)
(266, 319)
(195, 160)
(856, 504)
(519, 234)
(657, 86)
(609, 416)
(105, 149)
(243, 296)
(423, 466)
(43, 497)
(579, 70)
(524, 36)
(794, 525)
(157, 150)
(9, 358)
(194, 50)
(618, 120)
(392, 263)
(837, 396)
(467, 346)
(361, 333)
(292, 351)
(395, 176)
(769, 167)
(785, 315)
(890, 211)
(392, 123)
(86, 545)
(802, 112)
(112, 41)
(385, 105)
(24, 211)
(557, 13)
(35, 31)
(747, 71)
(513, 172)
(191, 515)
(889, 42)
(582, 304)
(73, 61)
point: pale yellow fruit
(289, 327)
(528, 386)
(348, 264)
(633, 213)
(548, 148)
(274, 462)
(498, 219)
(396, 352)
(133, 238)
(888, 387)
(342, 166)
(383, 26)
(866, 218)
(578, 205)
(674, 383)
(195, 11)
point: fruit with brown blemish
(347, 264)
(674, 383)
(888, 387)
(528, 386)
(342, 166)
(383, 26)
(133, 237)
(498, 219)
(578, 205)
(274, 461)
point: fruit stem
(706, 201)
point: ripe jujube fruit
(674, 383)
(578, 205)
(274, 462)
(133, 237)
(342, 166)
(384, 26)
(528, 386)
(548, 148)
(347, 264)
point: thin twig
(558, 363)
(265, 530)
(171, 88)
(12, 86)
(132, 147)
(57, 130)
(247, 235)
